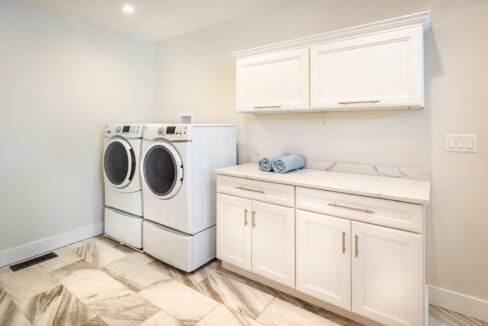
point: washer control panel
(124, 130)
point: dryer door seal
(119, 163)
(162, 169)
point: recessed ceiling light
(128, 9)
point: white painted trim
(31, 249)
(458, 302)
(421, 18)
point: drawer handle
(268, 107)
(360, 102)
(365, 210)
(249, 189)
(356, 249)
(343, 242)
(253, 219)
(245, 217)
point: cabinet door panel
(387, 275)
(234, 230)
(273, 82)
(374, 71)
(323, 259)
(273, 242)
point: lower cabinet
(349, 256)
(387, 275)
(234, 231)
(323, 262)
(258, 237)
(373, 271)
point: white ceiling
(155, 20)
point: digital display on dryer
(126, 129)
(170, 130)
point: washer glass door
(163, 170)
(119, 163)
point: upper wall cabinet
(273, 82)
(384, 70)
(374, 66)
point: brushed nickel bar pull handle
(267, 107)
(356, 249)
(253, 219)
(360, 102)
(343, 242)
(245, 217)
(365, 210)
(249, 189)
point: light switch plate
(461, 143)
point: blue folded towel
(287, 163)
(265, 164)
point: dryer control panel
(124, 130)
(167, 131)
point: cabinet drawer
(390, 213)
(263, 191)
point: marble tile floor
(99, 282)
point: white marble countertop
(411, 191)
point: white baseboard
(31, 249)
(465, 304)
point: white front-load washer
(178, 185)
(123, 192)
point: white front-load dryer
(123, 192)
(178, 184)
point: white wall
(60, 82)
(196, 74)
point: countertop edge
(410, 200)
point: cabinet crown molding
(417, 19)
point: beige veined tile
(70, 269)
(223, 316)
(133, 274)
(440, 316)
(235, 294)
(80, 243)
(97, 321)
(10, 314)
(58, 306)
(92, 285)
(65, 257)
(108, 298)
(5, 269)
(140, 257)
(179, 300)
(24, 284)
(189, 279)
(282, 313)
(162, 318)
(98, 253)
(106, 240)
(128, 310)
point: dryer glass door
(163, 170)
(119, 162)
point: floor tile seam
(266, 308)
(9, 297)
(211, 310)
